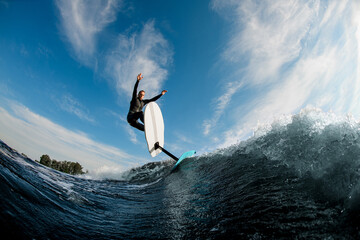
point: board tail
(184, 156)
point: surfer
(136, 105)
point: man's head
(141, 94)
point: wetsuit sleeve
(135, 90)
(146, 101)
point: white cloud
(131, 133)
(356, 25)
(122, 122)
(183, 138)
(220, 105)
(268, 34)
(303, 85)
(147, 52)
(82, 20)
(297, 53)
(71, 105)
(35, 135)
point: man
(136, 105)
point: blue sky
(67, 70)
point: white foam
(105, 172)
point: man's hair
(141, 91)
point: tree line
(73, 168)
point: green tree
(62, 166)
(55, 164)
(45, 160)
(78, 168)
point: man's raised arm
(139, 77)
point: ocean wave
(298, 177)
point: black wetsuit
(136, 106)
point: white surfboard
(154, 128)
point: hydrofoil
(154, 134)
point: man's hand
(139, 77)
(163, 92)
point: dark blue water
(296, 179)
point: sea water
(298, 178)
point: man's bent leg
(133, 120)
(137, 125)
(142, 116)
(138, 115)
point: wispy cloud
(121, 121)
(146, 51)
(356, 23)
(4, 4)
(36, 135)
(220, 105)
(71, 105)
(295, 52)
(131, 133)
(266, 35)
(5, 89)
(83, 20)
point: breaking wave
(296, 178)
